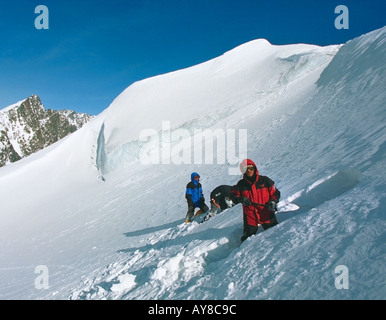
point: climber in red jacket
(258, 196)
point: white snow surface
(105, 225)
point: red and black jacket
(260, 189)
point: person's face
(196, 178)
(250, 171)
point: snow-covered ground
(87, 218)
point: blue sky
(95, 49)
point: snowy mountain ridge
(315, 124)
(26, 127)
(243, 81)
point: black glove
(246, 201)
(271, 205)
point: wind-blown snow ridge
(315, 120)
(243, 82)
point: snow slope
(105, 225)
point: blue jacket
(194, 190)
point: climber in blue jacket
(194, 196)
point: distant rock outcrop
(27, 127)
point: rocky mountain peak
(27, 127)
